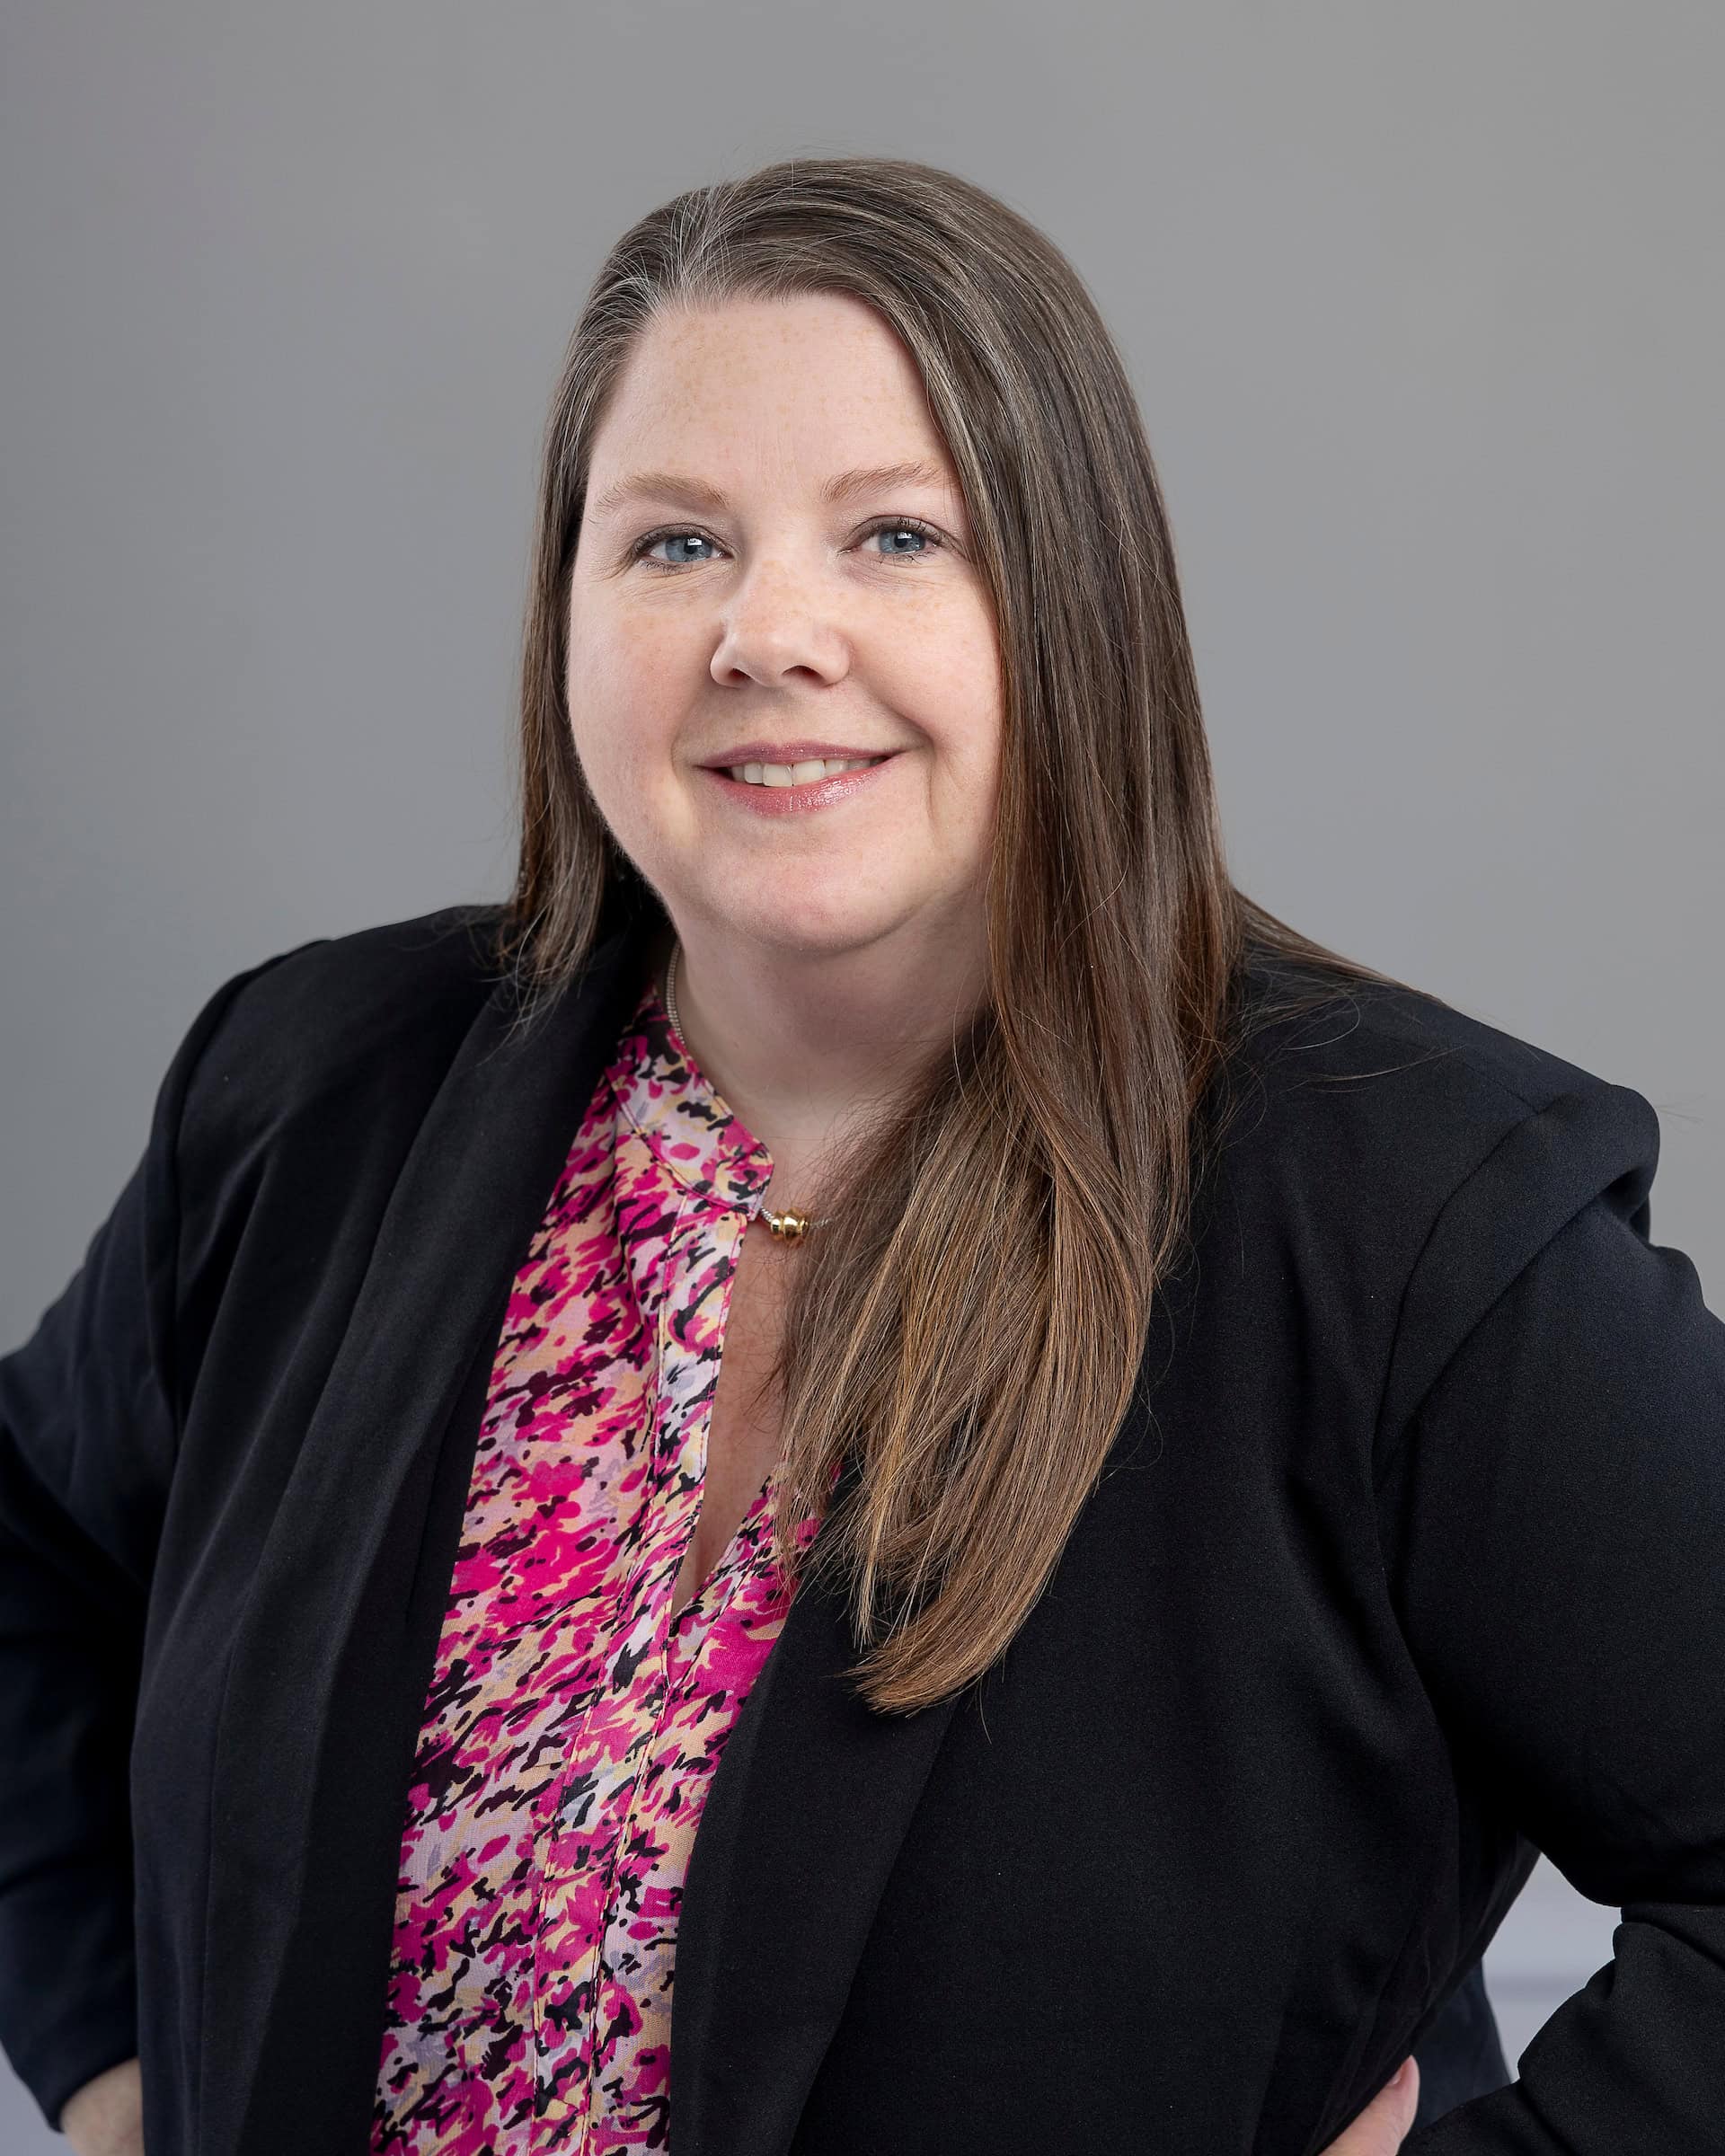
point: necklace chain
(789, 1227)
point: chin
(791, 925)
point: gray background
(1422, 305)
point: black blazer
(1408, 1561)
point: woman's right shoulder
(381, 1009)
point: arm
(1555, 1528)
(88, 1436)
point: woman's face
(761, 578)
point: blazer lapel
(325, 1689)
(804, 1816)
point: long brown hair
(968, 1331)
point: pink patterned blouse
(571, 1729)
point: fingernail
(1403, 2074)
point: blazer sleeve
(88, 1437)
(1555, 1487)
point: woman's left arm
(1553, 1489)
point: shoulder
(1351, 1074)
(371, 983)
(1397, 1153)
(382, 1008)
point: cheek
(963, 790)
(616, 656)
(625, 776)
(622, 715)
(964, 696)
(971, 753)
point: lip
(786, 752)
(794, 800)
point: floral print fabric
(571, 1727)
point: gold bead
(787, 1227)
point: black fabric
(1409, 1562)
(1460, 2055)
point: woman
(1206, 1473)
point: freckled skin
(822, 952)
(572, 1725)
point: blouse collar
(687, 1125)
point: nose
(779, 623)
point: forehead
(815, 392)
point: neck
(802, 1046)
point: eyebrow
(676, 486)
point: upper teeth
(800, 774)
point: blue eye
(676, 538)
(897, 525)
(904, 525)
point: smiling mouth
(806, 773)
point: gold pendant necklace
(788, 1226)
